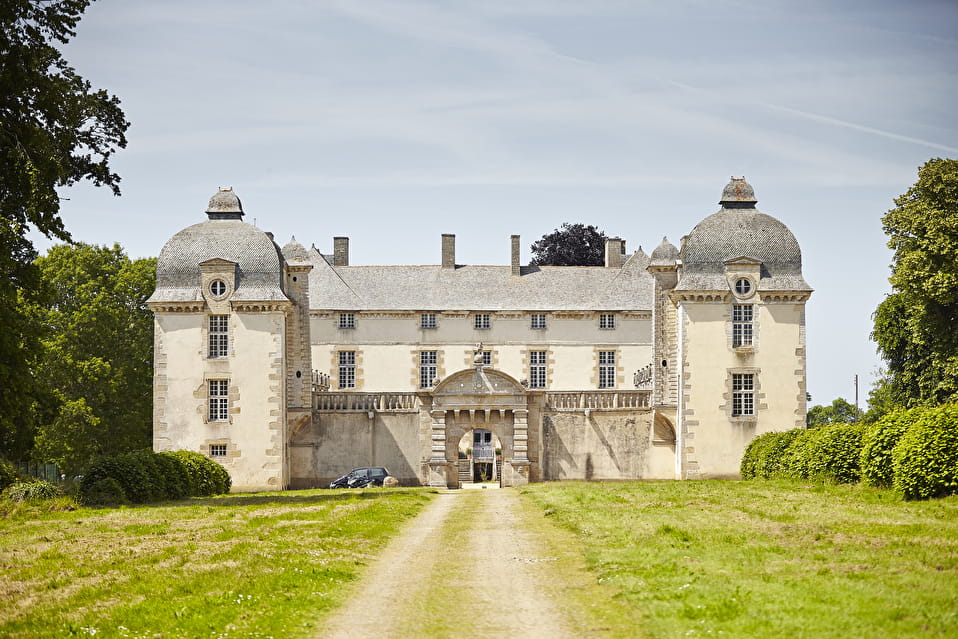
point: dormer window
(743, 287)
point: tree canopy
(55, 130)
(839, 412)
(96, 363)
(572, 245)
(916, 326)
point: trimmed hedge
(913, 451)
(763, 456)
(830, 452)
(144, 476)
(925, 459)
(877, 445)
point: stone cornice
(177, 307)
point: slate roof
(480, 288)
(258, 273)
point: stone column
(438, 465)
(520, 449)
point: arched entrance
(481, 399)
(479, 457)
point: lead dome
(739, 230)
(223, 236)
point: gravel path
(464, 567)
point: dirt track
(464, 567)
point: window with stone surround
(538, 321)
(347, 320)
(606, 369)
(742, 325)
(486, 358)
(219, 399)
(537, 369)
(481, 321)
(428, 368)
(219, 342)
(743, 394)
(607, 321)
(347, 369)
(427, 320)
(217, 450)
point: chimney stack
(516, 269)
(613, 252)
(448, 250)
(340, 251)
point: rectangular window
(428, 370)
(607, 321)
(219, 336)
(741, 325)
(427, 320)
(743, 394)
(606, 369)
(537, 369)
(347, 320)
(219, 399)
(538, 321)
(347, 369)
(217, 450)
(482, 321)
(487, 358)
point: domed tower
(220, 345)
(739, 301)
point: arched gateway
(479, 398)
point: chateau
(290, 366)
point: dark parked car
(361, 477)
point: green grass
(260, 565)
(758, 559)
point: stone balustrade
(597, 399)
(389, 402)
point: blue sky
(395, 122)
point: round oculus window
(218, 288)
(743, 287)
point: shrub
(206, 477)
(763, 455)
(105, 492)
(144, 476)
(877, 444)
(925, 460)
(27, 491)
(8, 474)
(838, 453)
(830, 452)
(795, 458)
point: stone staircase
(465, 476)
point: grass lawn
(758, 559)
(259, 565)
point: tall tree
(572, 245)
(839, 412)
(97, 356)
(55, 130)
(916, 326)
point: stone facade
(660, 366)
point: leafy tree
(55, 130)
(572, 245)
(915, 326)
(840, 412)
(97, 357)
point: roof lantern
(224, 205)
(738, 194)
